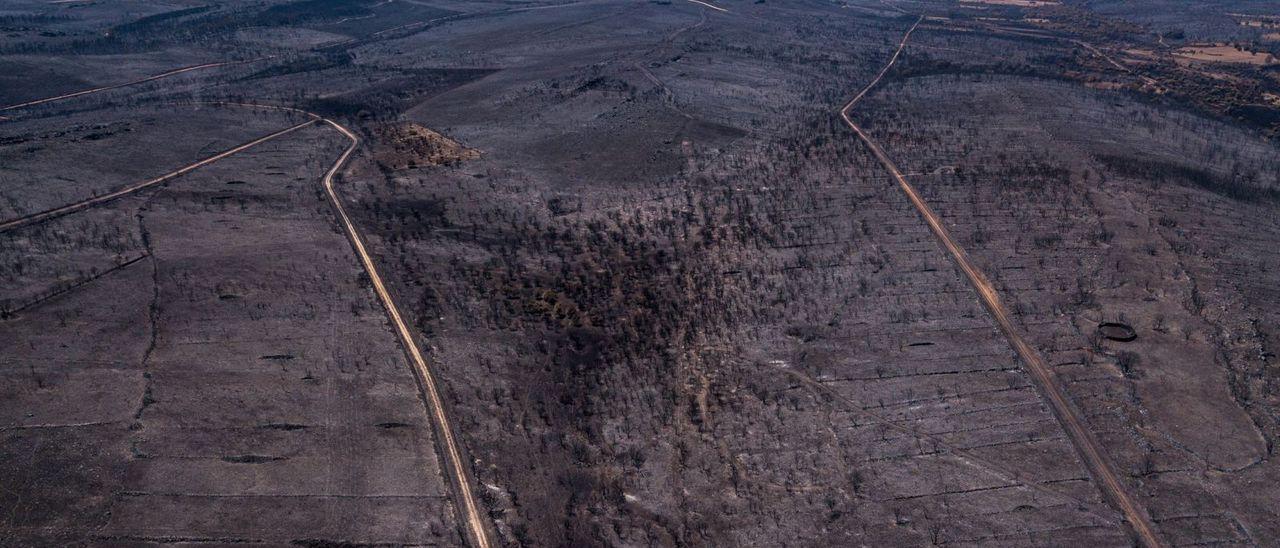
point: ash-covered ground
(666, 294)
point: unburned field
(1224, 54)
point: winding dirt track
(11, 224)
(477, 531)
(1086, 445)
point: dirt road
(996, 29)
(98, 200)
(1086, 445)
(126, 84)
(712, 6)
(477, 531)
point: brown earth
(409, 145)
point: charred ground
(671, 299)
